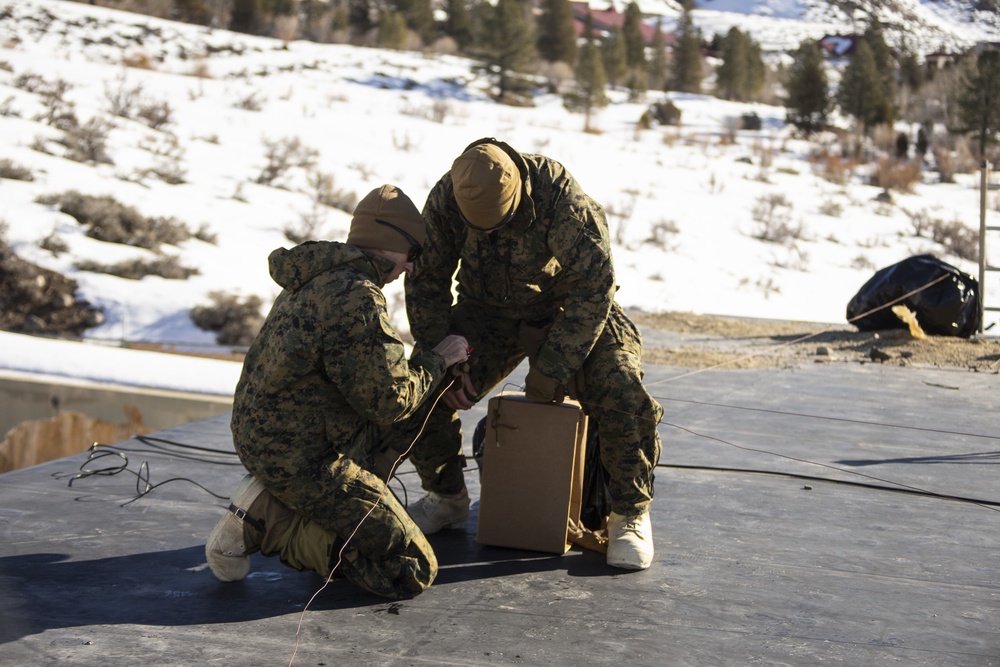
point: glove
(542, 388)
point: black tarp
(949, 307)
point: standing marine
(531, 257)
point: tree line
(517, 43)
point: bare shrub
(235, 320)
(921, 222)
(438, 110)
(307, 228)
(403, 143)
(966, 161)
(832, 166)
(206, 235)
(898, 175)
(109, 220)
(238, 194)
(282, 155)
(122, 99)
(364, 170)
(15, 172)
(199, 69)
(40, 144)
(957, 238)
(58, 111)
(832, 208)
(662, 234)
(137, 59)
(796, 259)
(54, 244)
(623, 212)
(252, 101)
(325, 193)
(773, 214)
(88, 143)
(168, 163)
(862, 262)
(7, 109)
(156, 115)
(168, 267)
(29, 82)
(945, 164)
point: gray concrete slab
(759, 559)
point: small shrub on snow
(15, 172)
(236, 321)
(109, 220)
(137, 269)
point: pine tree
(588, 90)
(685, 73)
(885, 65)
(507, 42)
(808, 101)
(614, 57)
(635, 45)
(246, 16)
(359, 16)
(979, 101)
(731, 75)
(657, 70)
(557, 32)
(391, 30)
(420, 19)
(459, 24)
(859, 94)
(741, 74)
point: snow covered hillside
(687, 205)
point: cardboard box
(532, 475)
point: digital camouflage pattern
(322, 404)
(542, 286)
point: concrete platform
(759, 559)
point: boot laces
(629, 524)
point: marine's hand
(542, 388)
(460, 398)
(454, 349)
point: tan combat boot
(228, 550)
(630, 540)
(436, 511)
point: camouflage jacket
(326, 364)
(552, 262)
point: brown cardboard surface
(532, 477)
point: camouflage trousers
(309, 518)
(608, 386)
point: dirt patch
(707, 341)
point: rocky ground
(703, 341)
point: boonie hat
(487, 186)
(386, 219)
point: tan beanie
(386, 219)
(487, 185)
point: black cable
(814, 478)
(827, 418)
(143, 486)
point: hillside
(191, 122)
